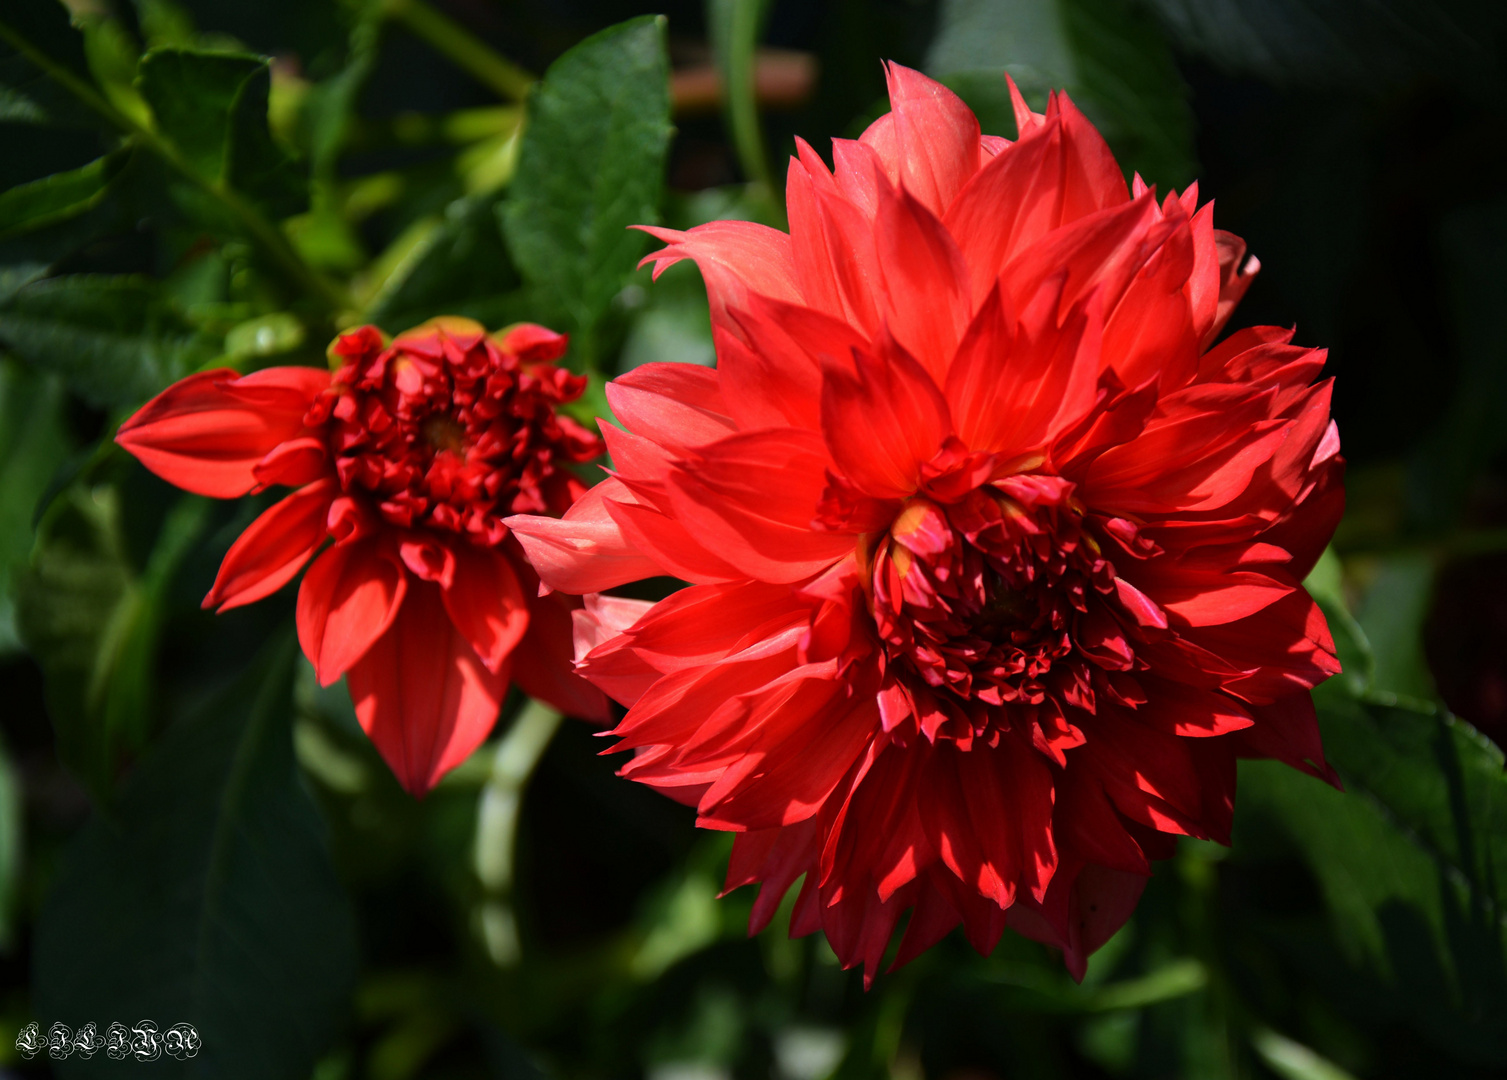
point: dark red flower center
(450, 431)
(997, 610)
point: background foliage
(191, 830)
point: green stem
(262, 231)
(517, 755)
(468, 52)
(736, 26)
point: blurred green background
(191, 831)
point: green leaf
(12, 833)
(206, 894)
(674, 324)
(1470, 435)
(57, 197)
(1391, 616)
(592, 164)
(460, 267)
(213, 107)
(1411, 860)
(42, 30)
(116, 341)
(35, 38)
(1107, 54)
(34, 442)
(1326, 585)
(92, 622)
(1331, 43)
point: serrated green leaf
(207, 894)
(57, 197)
(213, 107)
(1107, 54)
(115, 341)
(34, 442)
(1411, 860)
(591, 165)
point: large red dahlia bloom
(996, 562)
(408, 456)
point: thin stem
(467, 51)
(267, 235)
(517, 755)
(736, 25)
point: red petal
(348, 599)
(929, 141)
(544, 662)
(422, 693)
(735, 258)
(1012, 394)
(674, 405)
(925, 300)
(1009, 204)
(883, 420)
(485, 603)
(208, 432)
(585, 551)
(751, 498)
(274, 548)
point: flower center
(455, 433)
(445, 433)
(993, 612)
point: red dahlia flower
(408, 457)
(997, 564)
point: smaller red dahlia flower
(408, 457)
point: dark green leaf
(591, 165)
(115, 340)
(57, 197)
(1411, 859)
(41, 29)
(207, 895)
(1471, 433)
(35, 36)
(460, 268)
(213, 107)
(91, 621)
(33, 443)
(1365, 46)
(1391, 616)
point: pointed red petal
(274, 548)
(422, 694)
(485, 602)
(348, 599)
(208, 432)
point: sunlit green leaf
(213, 107)
(591, 165)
